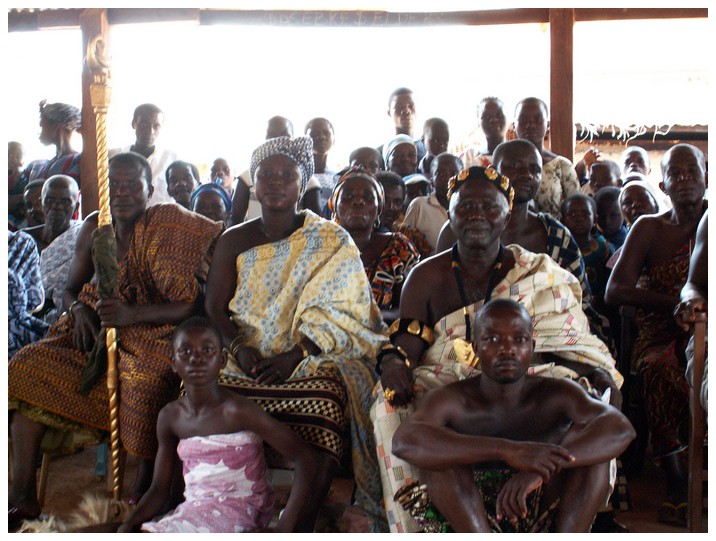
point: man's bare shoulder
(434, 268)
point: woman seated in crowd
(162, 256)
(182, 179)
(211, 201)
(356, 204)
(292, 299)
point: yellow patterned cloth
(313, 284)
(552, 296)
(167, 260)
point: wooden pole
(561, 96)
(96, 62)
(93, 23)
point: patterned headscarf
(389, 147)
(488, 174)
(211, 187)
(299, 149)
(67, 116)
(354, 172)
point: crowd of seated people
(412, 314)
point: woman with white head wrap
(292, 299)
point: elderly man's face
(59, 203)
(479, 213)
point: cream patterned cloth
(313, 284)
(559, 181)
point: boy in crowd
(610, 219)
(601, 174)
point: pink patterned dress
(226, 486)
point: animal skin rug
(93, 511)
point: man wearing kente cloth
(163, 254)
(508, 451)
(428, 343)
(650, 273)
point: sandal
(673, 514)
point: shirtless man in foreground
(548, 431)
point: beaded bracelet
(387, 349)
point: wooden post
(561, 133)
(93, 23)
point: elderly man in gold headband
(429, 345)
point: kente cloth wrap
(490, 481)
(167, 260)
(25, 293)
(313, 284)
(562, 247)
(299, 149)
(226, 489)
(552, 296)
(659, 359)
(559, 181)
(417, 238)
(391, 268)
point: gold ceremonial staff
(100, 95)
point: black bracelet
(391, 348)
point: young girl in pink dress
(217, 436)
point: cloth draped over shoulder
(167, 261)
(391, 268)
(552, 296)
(55, 263)
(313, 284)
(659, 358)
(559, 181)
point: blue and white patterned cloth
(25, 292)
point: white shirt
(159, 160)
(428, 216)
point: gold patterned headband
(488, 174)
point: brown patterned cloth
(313, 406)
(167, 259)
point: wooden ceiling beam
(20, 20)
